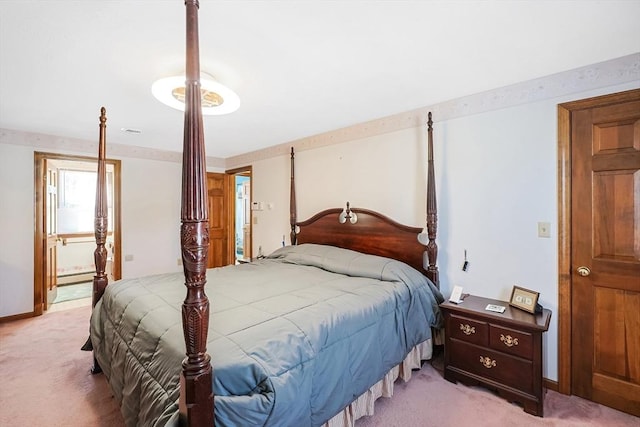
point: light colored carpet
(428, 400)
(45, 380)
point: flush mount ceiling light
(217, 99)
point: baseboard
(17, 317)
(550, 384)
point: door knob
(584, 271)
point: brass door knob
(584, 271)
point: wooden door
(219, 218)
(605, 253)
(51, 233)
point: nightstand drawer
(503, 368)
(511, 341)
(468, 330)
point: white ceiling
(300, 67)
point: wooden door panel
(612, 352)
(615, 231)
(606, 240)
(216, 221)
(615, 137)
(218, 201)
(216, 247)
(51, 234)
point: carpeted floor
(45, 380)
(428, 400)
(45, 377)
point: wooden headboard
(372, 233)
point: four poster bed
(309, 336)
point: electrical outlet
(544, 229)
(179, 261)
(128, 257)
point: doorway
(599, 249)
(242, 187)
(64, 239)
(229, 203)
(242, 223)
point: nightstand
(502, 351)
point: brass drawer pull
(509, 341)
(487, 362)
(467, 330)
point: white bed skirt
(365, 403)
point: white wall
(496, 176)
(150, 217)
(16, 229)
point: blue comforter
(293, 338)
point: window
(77, 198)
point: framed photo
(524, 299)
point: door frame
(244, 171)
(564, 225)
(39, 232)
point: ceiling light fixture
(217, 99)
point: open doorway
(64, 228)
(242, 214)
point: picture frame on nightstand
(524, 299)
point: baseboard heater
(70, 279)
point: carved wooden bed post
(432, 210)
(292, 201)
(100, 280)
(196, 387)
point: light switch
(544, 229)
